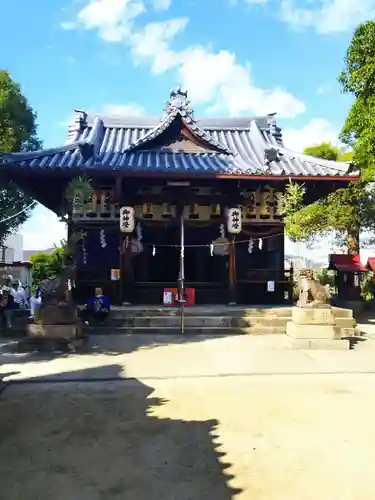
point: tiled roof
(248, 146)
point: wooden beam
(232, 285)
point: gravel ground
(254, 438)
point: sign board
(270, 286)
(167, 298)
(115, 274)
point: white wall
(14, 248)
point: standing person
(6, 308)
(97, 308)
(35, 302)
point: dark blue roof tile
(248, 146)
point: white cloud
(315, 132)
(210, 77)
(131, 109)
(328, 16)
(213, 78)
(42, 230)
(153, 43)
(112, 18)
(161, 4)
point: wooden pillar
(232, 278)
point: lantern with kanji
(127, 219)
(234, 220)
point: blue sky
(235, 57)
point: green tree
(324, 150)
(18, 132)
(48, 265)
(347, 209)
(337, 213)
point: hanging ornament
(221, 246)
(153, 251)
(251, 245)
(260, 244)
(136, 246)
(77, 204)
(212, 249)
(84, 251)
(127, 219)
(139, 232)
(103, 242)
(234, 220)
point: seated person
(35, 302)
(19, 295)
(6, 308)
(97, 308)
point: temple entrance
(157, 267)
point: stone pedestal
(54, 331)
(315, 328)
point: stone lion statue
(58, 288)
(312, 293)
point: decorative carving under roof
(178, 101)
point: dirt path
(247, 438)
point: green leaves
(324, 150)
(48, 265)
(17, 119)
(17, 133)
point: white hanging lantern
(127, 219)
(77, 205)
(234, 220)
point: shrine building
(171, 168)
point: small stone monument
(314, 325)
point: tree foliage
(347, 209)
(18, 132)
(46, 265)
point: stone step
(173, 330)
(196, 321)
(340, 312)
(222, 311)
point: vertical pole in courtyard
(181, 275)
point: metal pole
(181, 276)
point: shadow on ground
(93, 441)
(111, 345)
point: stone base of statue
(56, 327)
(315, 328)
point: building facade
(177, 171)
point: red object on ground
(189, 295)
(346, 263)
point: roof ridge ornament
(179, 102)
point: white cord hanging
(212, 249)
(139, 232)
(84, 252)
(153, 251)
(103, 242)
(260, 244)
(251, 245)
